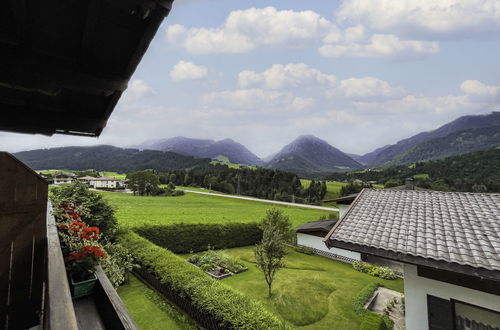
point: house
(311, 235)
(62, 178)
(106, 183)
(449, 245)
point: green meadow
(311, 292)
(134, 211)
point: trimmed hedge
(383, 272)
(362, 298)
(231, 308)
(372, 321)
(187, 238)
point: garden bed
(217, 264)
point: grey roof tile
(462, 228)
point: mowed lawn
(134, 211)
(149, 310)
(312, 292)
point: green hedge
(208, 295)
(372, 321)
(382, 272)
(362, 298)
(187, 238)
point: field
(333, 187)
(149, 310)
(195, 208)
(311, 292)
(113, 175)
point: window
(470, 317)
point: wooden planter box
(83, 288)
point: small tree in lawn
(270, 252)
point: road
(264, 200)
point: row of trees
(261, 183)
(147, 183)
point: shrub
(362, 298)
(304, 249)
(186, 238)
(372, 321)
(233, 309)
(92, 208)
(382, 272)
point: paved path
(307, 206)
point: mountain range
(463, 135)
(226, 149)
(307, 155)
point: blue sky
(357, 73)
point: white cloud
(479, 91)
(356, 42)
(291, 75)
(367, 88)
(257, 100)
(188, 71)
(423, 18)
(138, 89)
(246, 30)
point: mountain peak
(309, 155)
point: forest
(261, 183)
(474, 172)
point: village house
(449, 245)
(103, 182)
(311, 235)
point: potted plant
(82, 251)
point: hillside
(310, 156)
(465, 123)
(235, 152)
(460, 173)
(107, 158)
(453, 144)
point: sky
(358, 74)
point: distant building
(311, 235)
(62, 178)
(103, 183)
(449, 244)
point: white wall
(317, 243)
(417, 288)
(343, 210)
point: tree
(270, 252)
(143, 182)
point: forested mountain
(477, 172)
(453, 144)
(108, 158)
(462, 124)
(233, 151)
(309, 156)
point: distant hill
(310, 156)
(457, 143)
(235, 152)
(108, 158)
(466, 123)
(476, 171)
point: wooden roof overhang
(64, 64)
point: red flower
(91, 233)
(75, 256)
(63, 226)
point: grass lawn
(195, 208)
(311, 292)
(149, 310)
(113, 175)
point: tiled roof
(452, 227)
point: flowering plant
(82, 242)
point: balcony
(34, 289)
